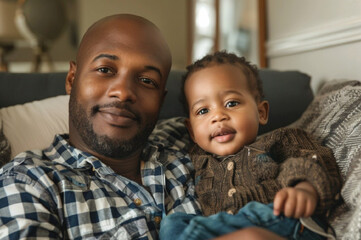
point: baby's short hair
(223, 57)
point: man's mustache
(124, 106)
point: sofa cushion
(334, 118)
(19, 88)
(33, 125)
(288, 93)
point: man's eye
(202, 111)
(148, 81)
(232, 104)
(104, 70)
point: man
(104, 179)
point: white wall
(321, 38)
(169, 15)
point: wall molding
(338, 33)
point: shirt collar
(63, 153)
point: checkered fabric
(63, 193)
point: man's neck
(128, 167)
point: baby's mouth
(223, 134)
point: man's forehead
(144, 40)
(120, 52)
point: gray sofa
(332, 116)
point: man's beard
(102, 144)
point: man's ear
(70, 77)
(263, 110)
(190, 129)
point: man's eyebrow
(154, 69)
(103, 55)
(114, 57)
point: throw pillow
(334, 118)
(33, 125)
(5, 151)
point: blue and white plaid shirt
(64, 193)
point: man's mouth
(119, 117)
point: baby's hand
(298, 201)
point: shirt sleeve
(180, 193)
(172, 137)
(26, 208)
(301, 158)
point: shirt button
(230, 166)
(138, 202)
(157, 219)
(231, 192)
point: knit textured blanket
(334, 118)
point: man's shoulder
(171, 156)
(32, 163)
(171, 134)
(171, 159)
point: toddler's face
(223, 114)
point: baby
(283, 181)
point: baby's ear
(263, 110)
(190, 129)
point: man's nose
(123, 88)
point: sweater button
(230, 166)
(231, 192)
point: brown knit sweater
(276, 160)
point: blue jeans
(179, 226)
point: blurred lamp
(41, 22)
(9, 33)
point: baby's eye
(231, 104)
(202, 111)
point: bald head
(134, 31)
